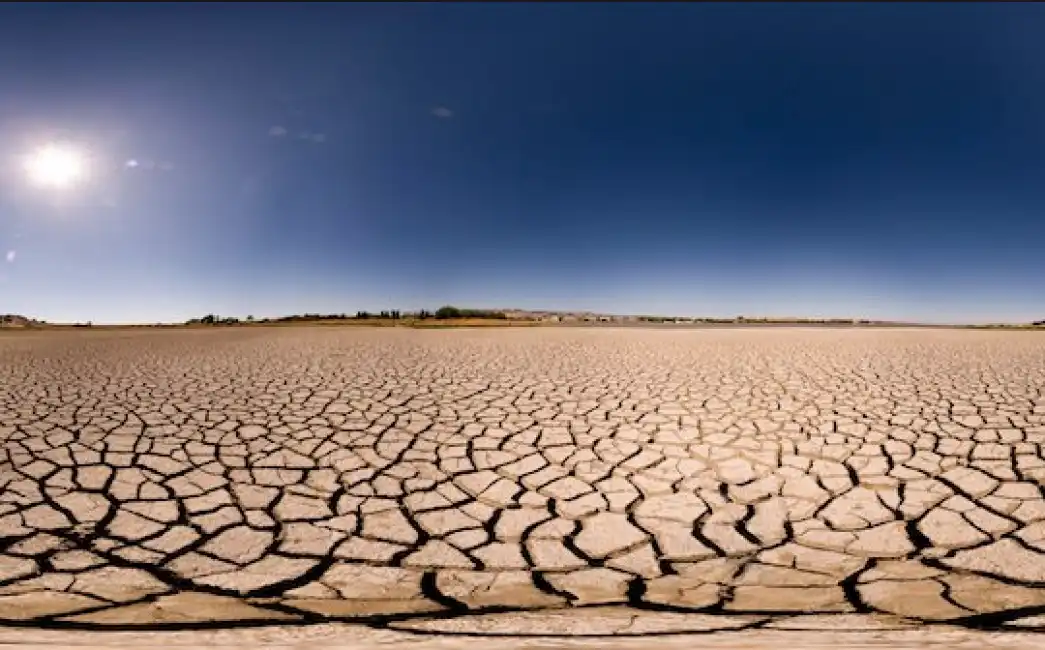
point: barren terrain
(367, 487)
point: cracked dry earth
(524, 482)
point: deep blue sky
(879, 160)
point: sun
(56, 167)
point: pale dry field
(554, 487)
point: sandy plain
(550, 487)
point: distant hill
(16, 320)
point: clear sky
(873, 160)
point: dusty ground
(361, 488)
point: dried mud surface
(364, 487)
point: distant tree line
(443, 313)
(394, 314)
(449, 311)
(304, 317)
(213, 319)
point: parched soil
(557, 482)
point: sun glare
(56, 167)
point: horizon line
(528, 314)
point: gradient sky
(875, 160)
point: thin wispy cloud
(10, 257)
(307, 136)
(148, 165)
(442, 112)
